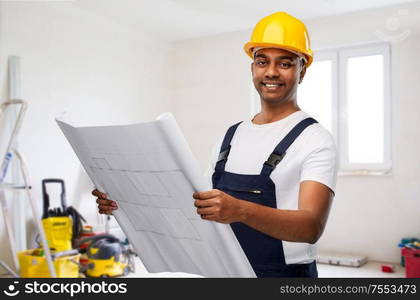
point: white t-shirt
(312, 156)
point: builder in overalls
(273, 176)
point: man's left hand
(215, 205)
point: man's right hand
(105, 206)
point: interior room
(97, 63)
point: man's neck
(273, 113)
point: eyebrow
(279, 57)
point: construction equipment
(86, 232)
(107, 256)
(63, 224)
(57, 224)
(281, 30)
(11, 152)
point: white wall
(370, 213)
(73, 61)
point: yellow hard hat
(281, 30)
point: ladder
(11, 152)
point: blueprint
(150, 171)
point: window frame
(347, 168)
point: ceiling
(184, 19)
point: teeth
(271, 85)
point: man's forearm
(287, 225)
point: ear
(302, 74)
(252, 68)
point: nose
(272, 71)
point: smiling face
(276, 74)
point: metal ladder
(11, 152)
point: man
(273, 176)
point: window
(348, 91)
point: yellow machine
(57, 223)
(58, 231)
(62, 225)
(107, 256)
(106, 268)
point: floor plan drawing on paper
(149, 169)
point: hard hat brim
(249, 46)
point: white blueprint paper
(150, 171)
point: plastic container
(412, 262)
(35, 266)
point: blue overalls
(264, 252)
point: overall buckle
(223, 155)
(274, 159)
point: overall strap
(280, 150)
(224, 150)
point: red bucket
(412, 262)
